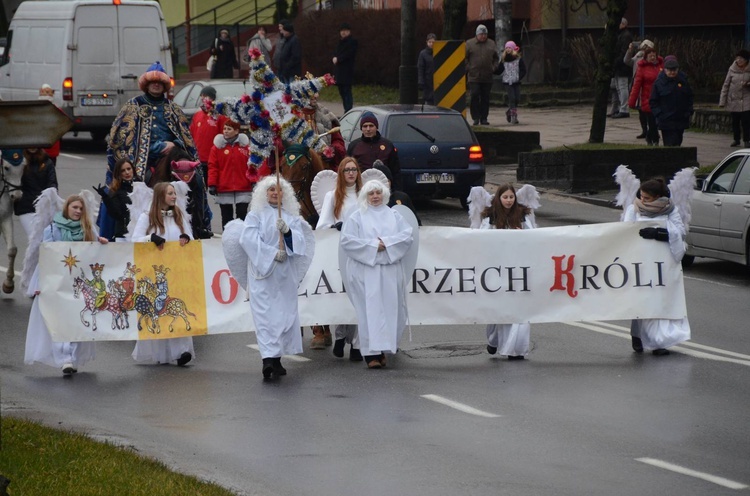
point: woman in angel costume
(275, 269)
(375, 239)
(506, 210)
(653, 200)
(73, 223)
(164, 221)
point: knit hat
(647, 44)
(481, 29)
(209, 91)
(431, 36)
(512, 45)
(287, 25)
(368, 117)
(154, 74)
(670, 62)
(345, 25)
(744, 54)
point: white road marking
(291, 358)
(67, 155)
(711, 282)
(710, 354)
(3, 269)
(721, 481)
(458, 406)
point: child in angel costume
(508, 209)
(654, 200)
(164, 221)
(55, 220)
(376, 239)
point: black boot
(491, 349)
(637, 344)
(267, 368)
(338, 347)
(355, 355)
(278, 369)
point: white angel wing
(302, 264)
(629, 185)
(528, 196)
(92, 203)
(323, 182)
(46, 206)
(681, 188)
(140, 202)
(371, 174)
(182, 190)
(478, 200)
(233, 252)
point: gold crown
(96, 267)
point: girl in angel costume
(653, 200)
(337, 205)
(375, 239)
(274, 271)
(73, 223)
(506, 210)
(165, 221)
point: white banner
(463, 276)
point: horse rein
(7, 185)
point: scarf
(70, 230)
(656, 208)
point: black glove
(657, 233)
(212, 190)
(338, 225)
(102, 190)
(157, 240)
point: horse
(10, 191)
(173, 307)
(89, 298)
(300, 176)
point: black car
(439, 153)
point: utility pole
(503, 23)
(407, 71)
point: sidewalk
(570, 125)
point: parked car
(189, 96)
(720, 226)
(439, 153)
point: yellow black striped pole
(449, 78)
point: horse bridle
(7, 185)
(299, 194)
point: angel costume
(162, 350)
(273, 285)
(39, 344)
(659, 334)
(375, 280)
(347, 332)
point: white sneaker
(68, 369)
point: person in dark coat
(226, 59)
(346, 53)
(372, 146)
(288, 60)
(117, 200)
(425, 71)
(671, 102)
(38, 175)
(623, 72)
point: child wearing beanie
(513, 70)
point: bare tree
(615, 10)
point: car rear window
(441, 127)
(233, 90)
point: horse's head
(299, 165)
(77, 285)
(12, 170)
(144, 285)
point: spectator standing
(117, 198)
(230, 178)
(38, 175)
(672, 102)
(288, 55)
(260, 42)
(426, 71)
(206, 124)
(622, 71)
(735, 96)
(632, 57)
(649, 69)
(372, 146)
(343, 60)
(481, 61)
(513, 70)
(226, 59)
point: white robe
(161, 350)
(662, 333)
(273, 286)
(509, 339)
(375, 279)
(326, 221)
(39, 345)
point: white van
(90, 51)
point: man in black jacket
(346, 53)
(288, 59)
(372, 146)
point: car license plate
(91, 102)
(426, 178)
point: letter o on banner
(216, 287)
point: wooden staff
(280, 195)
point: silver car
(189, 96)
(721, 212)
